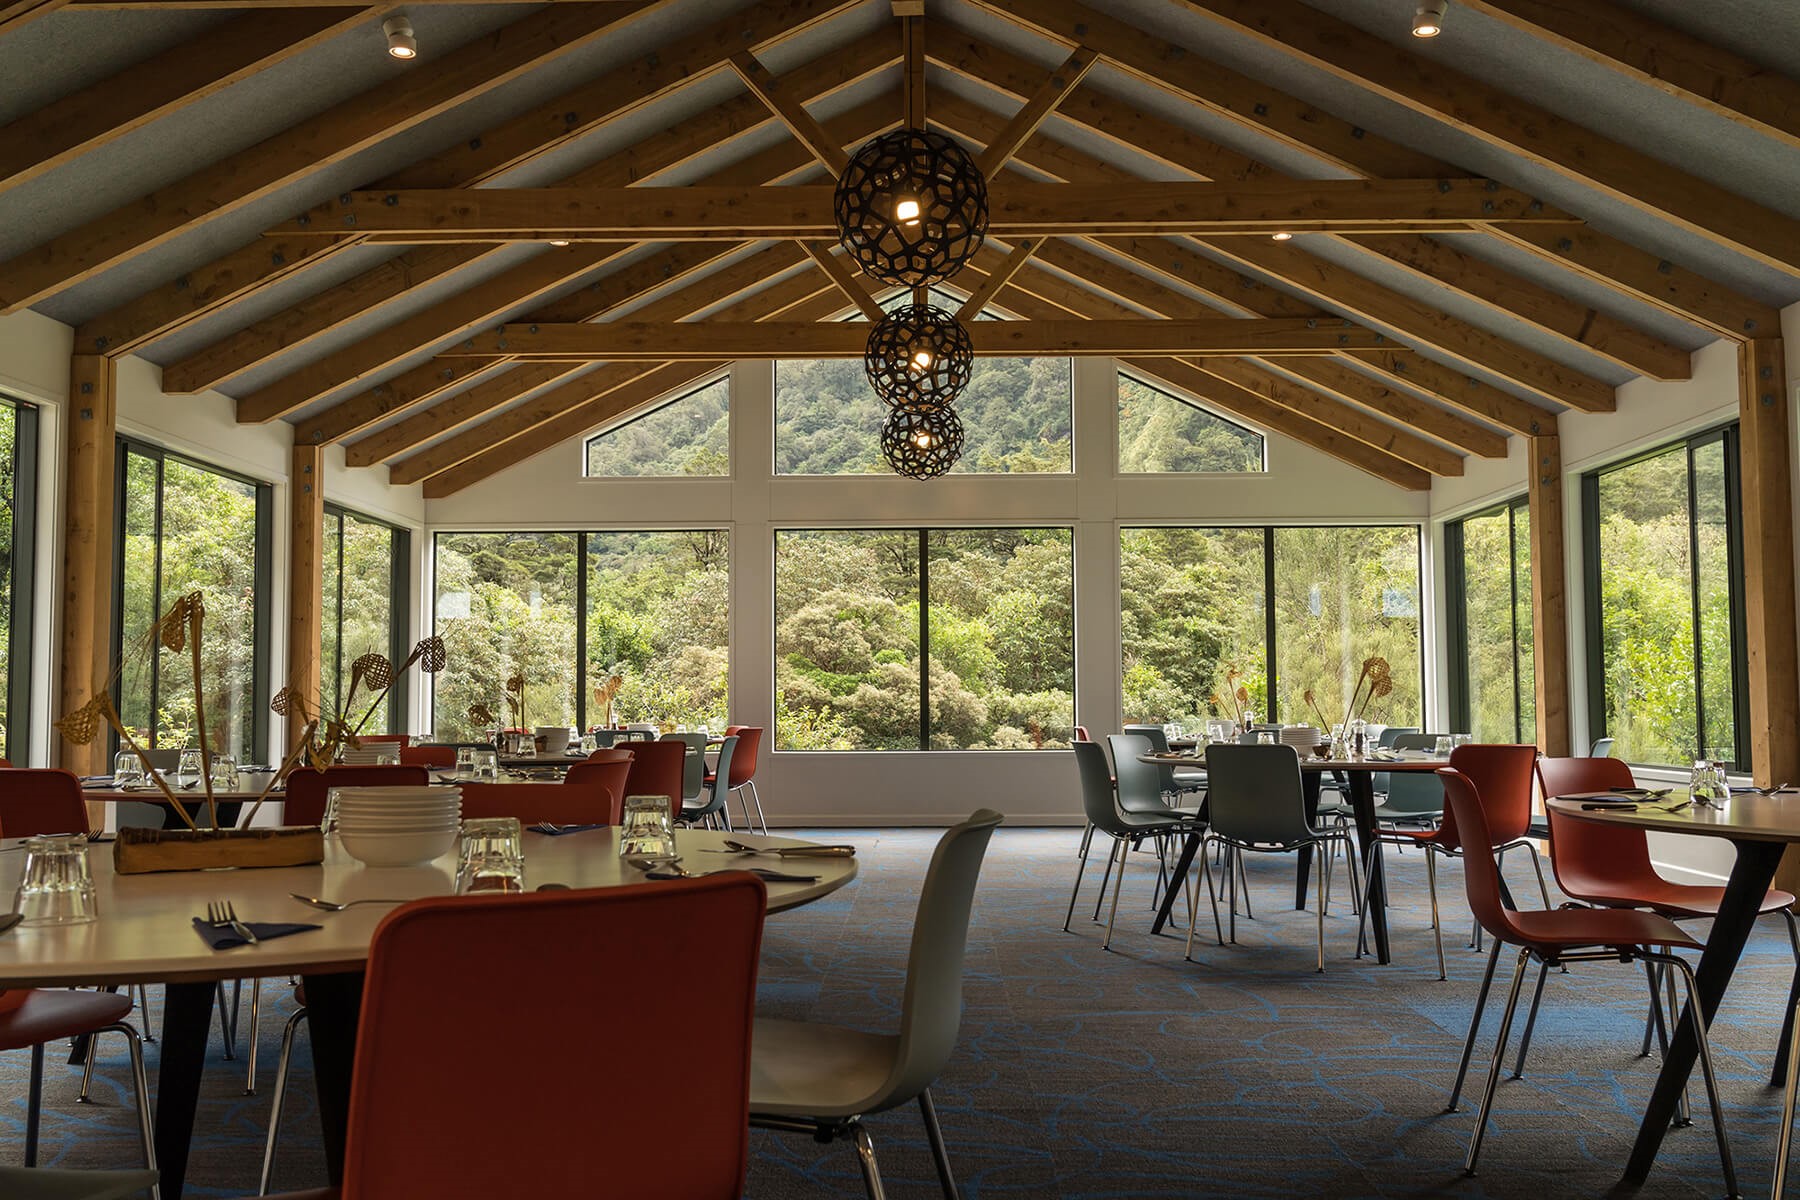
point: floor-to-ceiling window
(18, 526)
(1164, 433)
(911, 639)
(366, 584)
(1663, 560)
(1488, 624)
(188, 527)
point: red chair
(742, 773)
(566, 952)
(1556, 937)
(1503, 775)
(36, 800)
(658, 769)
(1081, 734)
(606, 769)
(567, 803)
(306, 788)
(428, 756)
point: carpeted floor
(1083, 1073)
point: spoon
(334, 906)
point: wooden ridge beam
(912, 61)
(1037, 109)
(1514, 125)
(1016, 206)
(1515, 295)
(329, 137)
(645, 341)
(1259, 107)
(103, 112)
(204, 289)
(1685, 67)
(791, 111)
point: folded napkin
(562, 829)
(223, 937)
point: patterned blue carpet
(1089, 1074)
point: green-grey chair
(1174, 781)
(693, 773)
(1413, 797)
(823, 1080)
(1104, 803)
(710, 808)
(45, 1183)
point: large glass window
(1016, 413)
(993, 610)
(366, 586)
(1282, 613)
(1161, 432)
(1492, 684)
(18, 527)
(688, 435)
(187, 527)
(1663, 557)
(565, 612)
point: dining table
(144, 934)
(1358, 774)
(1760, 828)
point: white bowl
(397, 849)
(398, 820)
(556, 738)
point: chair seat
(1159, 820)
(804, 1069)
(1682, 900)
(1189, 779)
(1384, 813)
(45, 1183)
(47, 1015)
(1569, 928)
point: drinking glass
(1462, 739)
(465, 762)
(55, 887)
(648, 830)
(484, 765)
(187, 769)
(490, 855)
(1215, 732)
(1707, 785)
(526, 746)
(587, 745)
(128, 770)
(224, 773)
(1442, 747)
(1265, 738)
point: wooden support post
(306, 579)
(1767, 490)
(1549, 594)
(87, 554)
(912, 62)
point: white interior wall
(847, 788)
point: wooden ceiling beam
(355, 124)
(791, 111)
(1002, 275)
(1514, 125)
(1016, 206)
(912, 61)
(1626, 269)
(1168, 143)
(848, 282)
(1037, 109)
(1685, 67)
(204, 289)
(103, 112)
(20, 13)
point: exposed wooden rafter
(847, 280)
(785, 105)
(1037, 109)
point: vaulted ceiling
(151, 154)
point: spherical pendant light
(911, 207)
(919, 357)
(921, 445)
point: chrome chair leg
(762, 822)
(1080, 866)
(1493, 1079)
(1784, 1142)
(143, 1003)
(1212, 894)
(255, 1029)
(1537, 998)
(1468, 1050)
(87, 1075)
(1120, 849)
(34, 1099)
(227, 1020)
(865, 1157)
(1319, 856)
(281, 1081)
(1650, 1018)
(1105, 878)
(140, 1083)
(1703, 1042)
(1437, 925)
(934, 1134)
(1683, 1114)
(1087, 839)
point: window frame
(1456, 614)
(593, 435)
(1180, 397)
(1728, 437)
(20, 642)
(262, 576)
(399, 607)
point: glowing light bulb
(1283, 236)
(559, 241)
(1427, 29)
(906, 210)
(923, 439)
(921, 359)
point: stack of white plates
(398, 826)
(1301, 737)
(372, 755)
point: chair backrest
(1254, 794)
(1098, 802)
(610, 754)
(656, 770)
(1594, 861)
(1602, 748)
(573, 802)
(428, 756)
(36, 800)
(1464, 804)
(743, 758)
(306, 788)
(1385, 741)
(607, 774)
(1140, 785)
(1503, 773)
(931, 1005)
(1081, 734)
(1415, 793)
(693, 767)
(714, 800)
(564, 954)
(1158, 738)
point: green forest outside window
(686, 436)
(366, 589)
(566, 611)
(1663, 555)
(1291, 610)
(1492, 677)
(184, 527)
(1161, 432)
(18, 526)
(993, 610)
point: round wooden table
(145, 934)
(1761, 828)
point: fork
(223, 914)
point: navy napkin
(223, 937)
(558, 832)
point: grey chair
(822, 1080)
(710, 809)
(1256, 802)
(1413, 797)
(1175, 782)
(693, 775)
(1107, 816)
(44, 1183)
(1602, 748)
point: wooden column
(306, 577)
(1549, 594)
(1768, 513)
(87, 568)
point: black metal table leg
(1185, 861)
(187, 1023)
(1744, 892)
(333, 1006)
(1361, 785)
